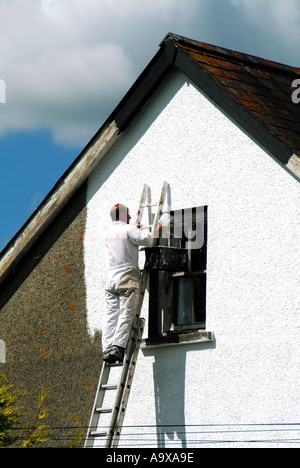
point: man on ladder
(123, 325)
(123, 282)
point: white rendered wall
(250, 374)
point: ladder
(122, 373)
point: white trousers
(121, 303)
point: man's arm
(140, 237)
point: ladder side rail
(121, 386)
(160, 207)
(146, 194)
(149, 209)
(99, 397)
(127, 360)
(119, 422)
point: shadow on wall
(169, 371)
(169, 386)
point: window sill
(178, 340)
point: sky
(66, 64)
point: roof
(254, 92)
(261, 87)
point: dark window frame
(171, 267)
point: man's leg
(112, 311)
(128, 307)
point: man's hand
(158, 230)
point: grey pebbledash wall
(43, 325)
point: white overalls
(123, 283)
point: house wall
(44, 339)
(247, 375)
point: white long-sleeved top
(122, 243)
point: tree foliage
(39, 432)
(13, 432)
(11, 414)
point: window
(177, 285)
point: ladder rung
(114, 364)
(98, 434)
(109, 387)
(103, 410)
(145, 205)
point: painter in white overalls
(123, 282)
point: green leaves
(39, 432)
(12, 429)
(10, 412)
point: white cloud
(281, 18)
(68, 86)
(66, 64)
(56, 71)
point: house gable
(239, 84)
(182, 136)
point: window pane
(199, 298)
(189, 300)
(184, 306)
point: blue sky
(30, 166)
(67, 63)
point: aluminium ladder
(121, 389)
